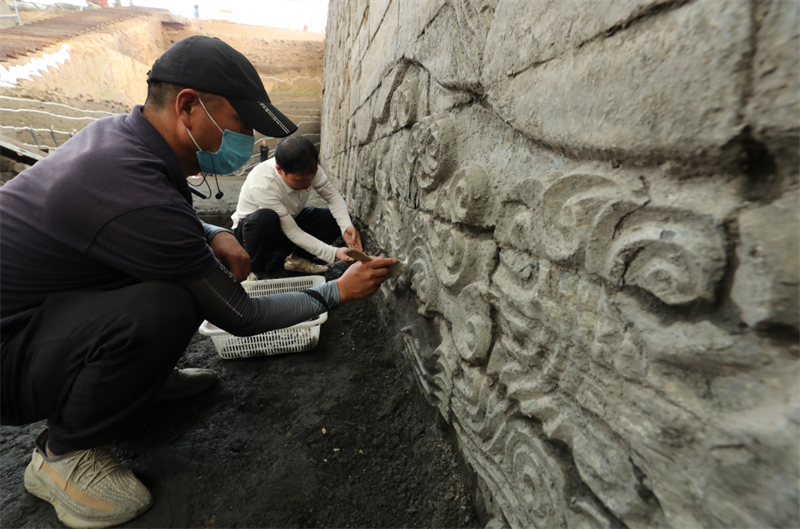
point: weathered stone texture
(767, 282)
(600, 213)
(669, 85)
(774, 109)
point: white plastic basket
(301, 337)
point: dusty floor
(335, 437)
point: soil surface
(335, 437)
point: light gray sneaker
(183, 383)
(88, 488)
(298, 264)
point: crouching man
(107, 272)
(272, 220)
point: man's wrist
(343, 294)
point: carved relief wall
(599, 203)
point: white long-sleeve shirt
(265, 188)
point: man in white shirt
(272, 219)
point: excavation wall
(105, 69)
(599, 203)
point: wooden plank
(19, 151)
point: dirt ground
(335, 437)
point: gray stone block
(767, 283)
(774, 108)
(632, 95)
(542, 31)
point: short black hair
(297, 155)
(159, 94)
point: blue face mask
(235, 151)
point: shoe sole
(36, 486)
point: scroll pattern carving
(516, 226)
(600, 457)
(472, 325)
(502, 287)
(590, 357)
(504, 449)
(405, 102)
(569, 206)
(432, 150)
(423, 277)
(390, 239)
(676, 255)
(469, 196)
(401, 174)
(433, 369)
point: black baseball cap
(210, 65)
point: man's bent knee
(262, 217)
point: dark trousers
(260, 234)
(88, 360)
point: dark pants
(88, 360)
(260, 234)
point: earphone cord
(205, 181)
(219, 191)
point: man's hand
(352, 238)
(229, 252)
(363, 279)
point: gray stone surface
(669, 85)
(767, 282)
(774, 109)
(599, 205)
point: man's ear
(186, 104)
(280, 171)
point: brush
(394, 271)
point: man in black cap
(107, 272)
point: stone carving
(385, 230)
(401, 174)
(676, 255)
(383, 168)
(470, 196)
(600, 457)
(539, 496)
(405, 103)
(472, 326)
(497, 522)
(474, 18)
(432, 150)
(699, 344)
(433, 368)
(476, 406)
(462, 259)
(507, 450)
(569, 206)
(613, 342)
(384, 99)
(423, 278)
(602, 361)
(516, 225)
(767, 283)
